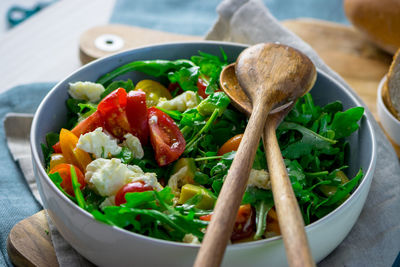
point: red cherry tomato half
(128, 188)
(87, 125)
(202, 85)
(64, 170)
(165, 136)
(112, 109)
(136, 111)
(113, 101)
(244, 224)
(173, 86)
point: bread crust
(379, 20)
(391, 89)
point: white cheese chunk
(260, 179)
(177, 180)
(98, 143)
(191, 239)
(134, 145)
(107, 176)
(149, 178)
(181, 103)
(86, 91)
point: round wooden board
(29, 243)
(344, 49)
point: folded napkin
(374, 240)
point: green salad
(150, 156)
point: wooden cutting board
(343, 48)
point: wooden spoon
(271, 75)
(289, 216)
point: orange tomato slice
(71, 153)
(230, 145)
(64, 170)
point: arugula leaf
(126, 155)
(255, 194)
(92, 199)
(333, 107)
(158, 217)
(73, 105)
(310, 140)
(57, 180)
(47, 150)
(216, 101)
(214, 105)
(262, 209)
(76, 187)
(86, 109)
(201, 178)
(127, 85)
(342, 191)
(345, 123)
(186, 78)
(210, 69)
(260, 162)
(174, 114)
(73, 110)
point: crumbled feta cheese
(149, 178)
(191, 239)
(86, 91)
(259, 178)
(107, 176)
(133, 144)
(177, 180)
(98, 143)
(181, 103)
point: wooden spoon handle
(220, 228)
(290, 219)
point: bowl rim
(41, 171)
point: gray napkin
(374, 240)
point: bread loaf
(391, 90)
(379, 20)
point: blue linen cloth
(197, 17)
(184, 17)
(16, 199)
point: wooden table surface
(40, 50)
(45, 47)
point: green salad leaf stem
(76, 187)
(154, 68)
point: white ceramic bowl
(110, 246)
(388, 121)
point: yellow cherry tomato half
(56, 159)
(154, 91)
